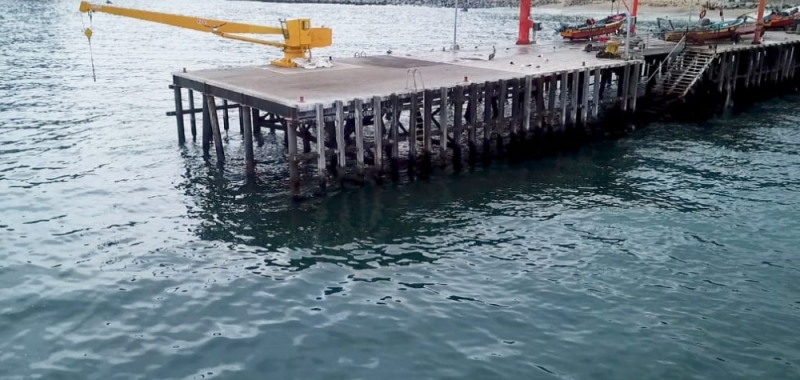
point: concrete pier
(365, 113)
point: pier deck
(368, 114)
(366, 77)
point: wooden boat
(592, 28)
(700, 34)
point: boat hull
(728, 31)
(586, 33)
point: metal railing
(676, 51)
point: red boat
(592, 28)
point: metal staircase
(682, 72)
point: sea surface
(672, 253)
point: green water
(669, 254)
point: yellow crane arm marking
(189, 22)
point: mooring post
(540, 103)
(427, 105)
(551, 106)
(192, 122)
(458, 118)
(585, 97)
(473, 119)
(573, 112)
(488, 93)
(341, 147)
(412, 130)
(179, 115)
(226, 123)
(394, 149)
(377, 120)
(564, 91)
(358, 114)
(294, 173)
(321, 165)
(249, 155)
(443, 121)
(206, 137)
(212, 109)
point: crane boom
(299, 36)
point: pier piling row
(365, 119)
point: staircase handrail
(673, 53)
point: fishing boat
(709, 32)
(748, 26)
(593, 28)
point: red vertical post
(759, 22)
(524, 22)
(634, 13)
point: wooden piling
(321, 165)
(294, 173)
(526, 106)
(427, 105)
(249, 155)
(488, 93)
(564, 91)
(341, 148)
(540, 111)
(723, 64)
(551, 100)
(225, 121)
(443, 122)
(241, 119)
(192, 119)
(473, 119)
(458, 117)
(212, 109)
(256, 114)
(502, 98)
(394, 128)
(634, 85)
(179, 115)
(585, 96)
(624, 83)
(412, 129)
(377, 118)
(516, 107)
(358, 114)
(206, 137)
(598, 82)
(573, 112)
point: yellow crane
(298, 35)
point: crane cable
(88, 33)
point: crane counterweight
(298, 35)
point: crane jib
(298, 35)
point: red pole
(634, 13)
(525, 22)
(759, 22)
